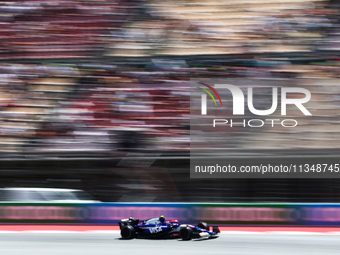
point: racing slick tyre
(185, 233)
(203, 225)
(128, 232)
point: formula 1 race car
(159, 228)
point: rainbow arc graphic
(208, 92)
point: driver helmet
(162, 219)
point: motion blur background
(94, 95)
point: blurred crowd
(35, 29)
(105, 76)
(48, 108)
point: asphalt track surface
(101, 243)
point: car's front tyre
(128, 232)
(185, 233)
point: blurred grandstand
(95, 94)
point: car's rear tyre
(128, 232)
(185, 233)
(203, 225)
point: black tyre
(185, 233)
(128, 232)
(203, 225)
